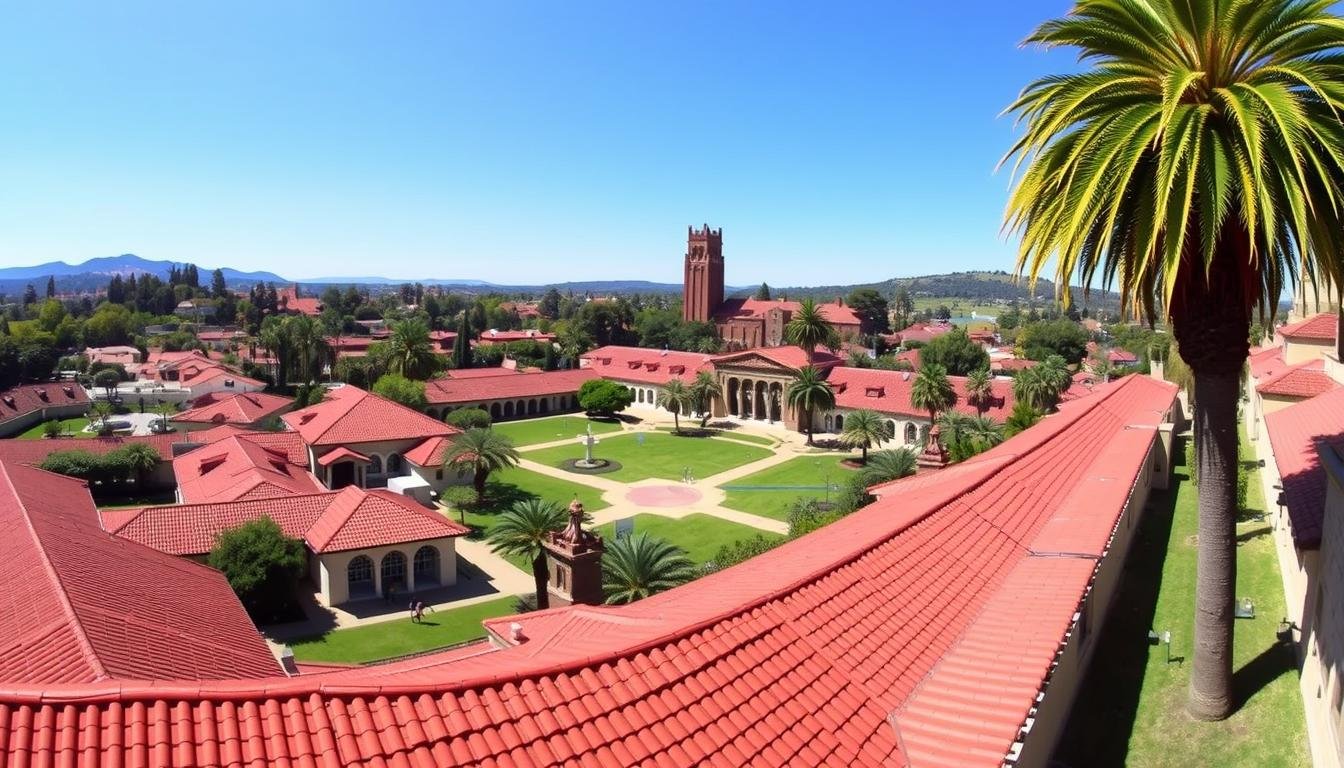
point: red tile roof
(454, 390)
(331, 521)
(290, 301)
(237, 468)
(1295, 434)
(1012, 364)
(788, 356)
(918, 630)
(234, 408)
(351, 415)
(1121, 357)
(34, 451)
(924, 332)
(1265, 361)
(889, 392)
(479, 373)
(430, 453)
(1320, 327)
(24, 399)
(648, 366)
(1303, 380)
(504, 337)
(331, 457)
(835, 313)
(81, 605)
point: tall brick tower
(702, 290)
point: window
(426, 565)
(394, 463)
(375, 464)
(911, 434)
(359, 575)
(394, 570)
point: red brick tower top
(702, 290)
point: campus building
(946, 624)
(26, 405)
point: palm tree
(521, 530)
(481, 451)
(638, 566)
(808, 392)
(1056, 373)
(1023, 417)
(705, 388)
(164, 410)
(140, 459)
(275, 340)
(980, 390)
(676, 397)
(985, 432)
(102, 411)
(808, 328)
(931, 391)
(308, 345)
(1199, 160)
(864, 429)
(956, 428)
(1034, 387)
(410, 351)
(885, 466)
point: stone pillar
(410, 572)
(575, 562)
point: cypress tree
(462, 345)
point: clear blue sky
(514, 142)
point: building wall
(1052, 714)
(24, 421)
(1272, 403)
(440, 477)
(509, 408)
(375, 475)
(1322, 623)
(1299, 350)
(333, 580)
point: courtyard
(647, 494)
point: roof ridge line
(77, 624)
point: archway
(839, 423)
(393, 571)
(758, 409)
(827, 422)
(545, 406)
(425, 566)
(748, 390)
(531, 407)
(359, 577)
(733, 386)
(494, 410)
(911, 433)
(342, 474)
(508, 410)
(776, 401)
(394, 464)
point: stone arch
(734, 386)
(395, 464)
(826, 423)
(758, 408)
(508, 409)
(425, 566)
(748, 388)
(494, 410)
(545, 405)
(359, 577)
(776, 401)
(531, 406)
(375, 464)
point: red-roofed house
(508, 393)
(291, 302)
(493, 336)
(1309, 339)
(358, 541)
(948, 624)
(644, 371)
(377, 433)
(194, 374)
(751, 323)
(81, 606)
(888, 393)
(249, 410)
(923, 333)
(1294, 384)
(115, 355)
(237, 468)
(26, 405)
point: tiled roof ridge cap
(77, 625)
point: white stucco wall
(333, 581)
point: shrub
(261, 564)
(468, 418)
(604, 397)
(400, 389)
(739, 551)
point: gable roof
(81, 605)
(331, 521)
(787, 356)
(238, 468)
(1303, 380)
(352, 415)
(889, 392)
(1320, 327)
(834, 312)
(431, 452)
(648, 366)
(445, 391)
(24, 399)
(1296, 433)
(234, 408)
(34, 451)
(919, 630)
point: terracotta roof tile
(358, 519)
(1320, 327)
(836, 313)
(349, 415)
(453, 390)
(234, 408)
(237, 468)
(648, 366)
(786, 356)
(889, 392)
(1296, 433)
(24, 399)
(1306, 379)
(81, 605)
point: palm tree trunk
(807, 413)
(539, 575)
(478, 481)
(1215, 429)
(676, 422)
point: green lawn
(69, 427)
(533, 431)
(802, 471)
(401, 636)
(729, 435)
(662, 455)
(1130, 710)
(700, 535)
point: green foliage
(931, 391)
(51, 429)
(864, 429)
(520, 532)
(809, 329)
(739, 551)
(871, 308)
(807, 515)
(399, 389)
(762, 293)
(410, 351)
(603, 397)
(260, 562)
(1023, 417)
(955, 352)
(885, 466)
(678, 398)
(638, 566)
(965, 436)
(130, 461)
(808, 392)
(108, 379)
(704, 389)
(1055, 337)
(481, 452)
(468, 418)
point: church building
(742, 323)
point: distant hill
(94, 273)
(985, 287)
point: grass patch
(398, 637)
(69, 428)
(804, 470)
(1131, 708)
(662, 455)
(534, 431)
(700, 535)
(724, 434)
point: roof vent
(905, 375)
(9, 400)
(874, 391)
(676, 369)
(69, 391)
(41, 394)
(516, 632)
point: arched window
(828, 422)
(508, 409)
(375, 464)
(359, 577)
(394, 570)
(426, 565)
(891, 430)
(911, 433)
(639, 396)
(394, 464)
(839, 423)
(494, 410)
